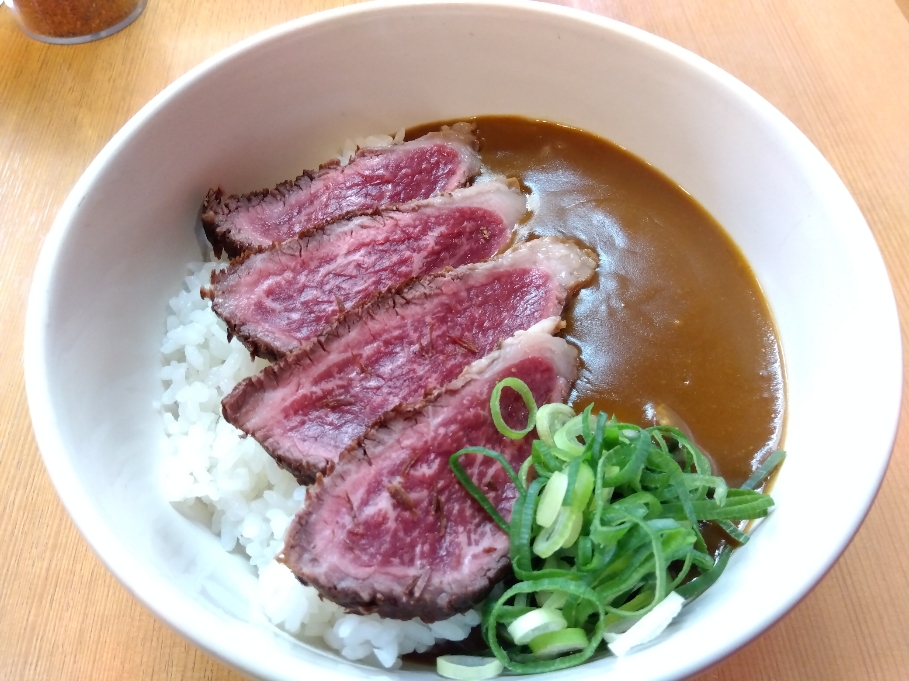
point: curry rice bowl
(96, 306)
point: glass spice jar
(66, 22)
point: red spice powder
(72, 18)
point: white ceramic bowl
(283, 100)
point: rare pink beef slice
(377, 177)
(392, 531)
(278, 299)
(309, 407)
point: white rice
(208, 466)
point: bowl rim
(143, 584)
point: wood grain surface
(837, 68)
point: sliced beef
(276, 300)
(307, 408)
(435, 163)
(392, 531)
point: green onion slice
(522, 473)
(521, 389)
(566, 439)
(554, 537)
(700, 584)
(534, 623)
(577, 523)
(551, 499)
(734, 532)
(765, 469)
(468, 667)
(550, 418)
(579, 493)
(557, 643)
(474, 491)
(551, 599)
(544, 461)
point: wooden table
(838, 68)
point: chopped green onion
(566, 439)
(765, 469)
(551, 499)
(547, 599)
(535, 623)
(579, 493)
(734, 532)
(557, 643)
(544, 461)
(522, 473)
(521, 389)
(720, 490)
(643, 600)
(578, 593)
(550, 418)
(462, 476)
(700, 584)
(521, 529)
(577, 522)
(552, 538)
(608, 529)
(468, 667)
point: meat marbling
(435, 163)
(309, 407)
(277, 299)
(392, 531)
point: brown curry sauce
(675, 321)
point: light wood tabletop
(838, 69)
